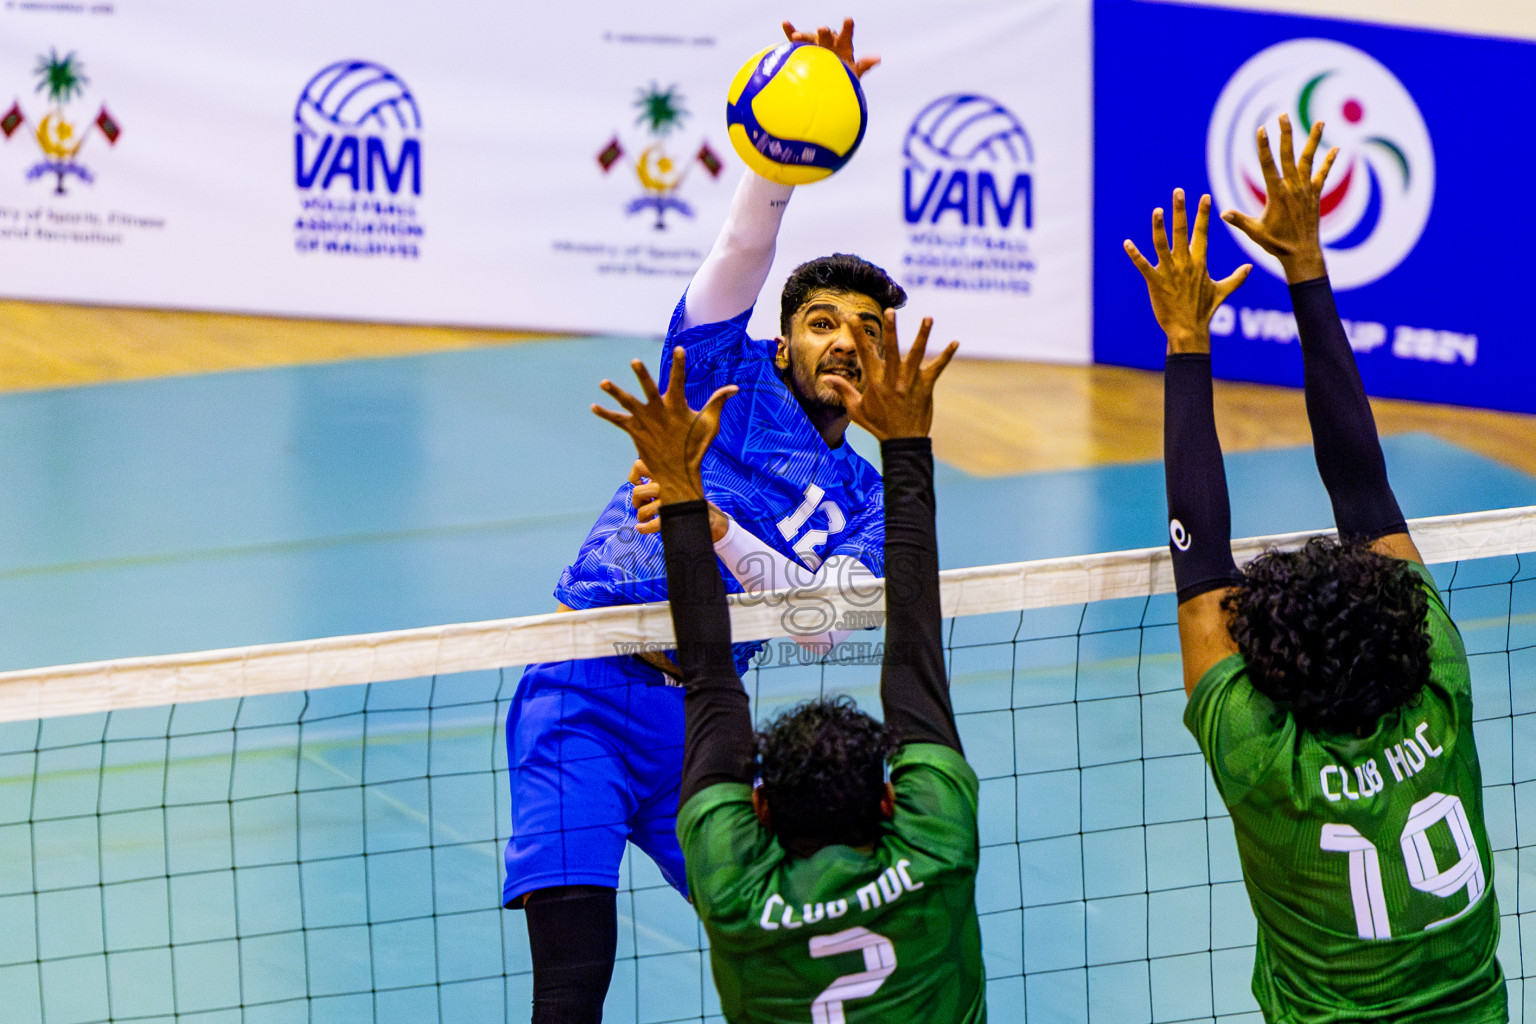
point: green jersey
(1365, 858)
(886, 936)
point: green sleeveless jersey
(1365, 858)
(842, 936)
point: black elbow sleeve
(1344, 437)
(1199, 513)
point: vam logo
(1382, 186)
(357, 125)
(968, 163)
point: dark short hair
(843, 273)
(1333, 633)
(822, 765)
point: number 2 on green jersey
(879, 962)
(1365, 887)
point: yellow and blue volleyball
(795, 113)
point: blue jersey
(768, 469)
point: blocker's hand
(840, 43)
(1184, 297)
(646, 499)
(1288, 227)
(897, 400)
(669, 437)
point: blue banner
(1426, 246)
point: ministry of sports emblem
(60, 135)
(658, 170)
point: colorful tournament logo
(659, 172)
(62, 80)
(357, 154)
(1379, 194)
(968, 196)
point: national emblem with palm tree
(62, 79)
(660, 174)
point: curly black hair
(1333, 633)
(840, 272)
(822, 765)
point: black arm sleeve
(1199, 512)
(1344, 440)
(914, 687)
(718, 742)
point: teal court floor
(336, 859)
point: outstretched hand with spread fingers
(669, 437)
(897, 400)
(1288, 226)
(840, 43)
(1184, 297)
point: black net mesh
(335, 856)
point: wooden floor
(47, 345)
(993, 418)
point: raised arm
(731, 277)
(1199, 514)
(1344, 438)
(733, 274)
(897, 408)
(671, 439)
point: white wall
(1513, 19)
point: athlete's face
(820, 345)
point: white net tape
(433, 650)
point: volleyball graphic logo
(1379, 195)
(969, 157)
(964, 126)
(359, 95)
(358, 122)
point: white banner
(558, 167)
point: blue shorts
(595, 752)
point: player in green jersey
(829, 895)
(1328, 687)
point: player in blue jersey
(595, 747)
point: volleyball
(795, 113)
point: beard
(814, 391)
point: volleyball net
(312, 832)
